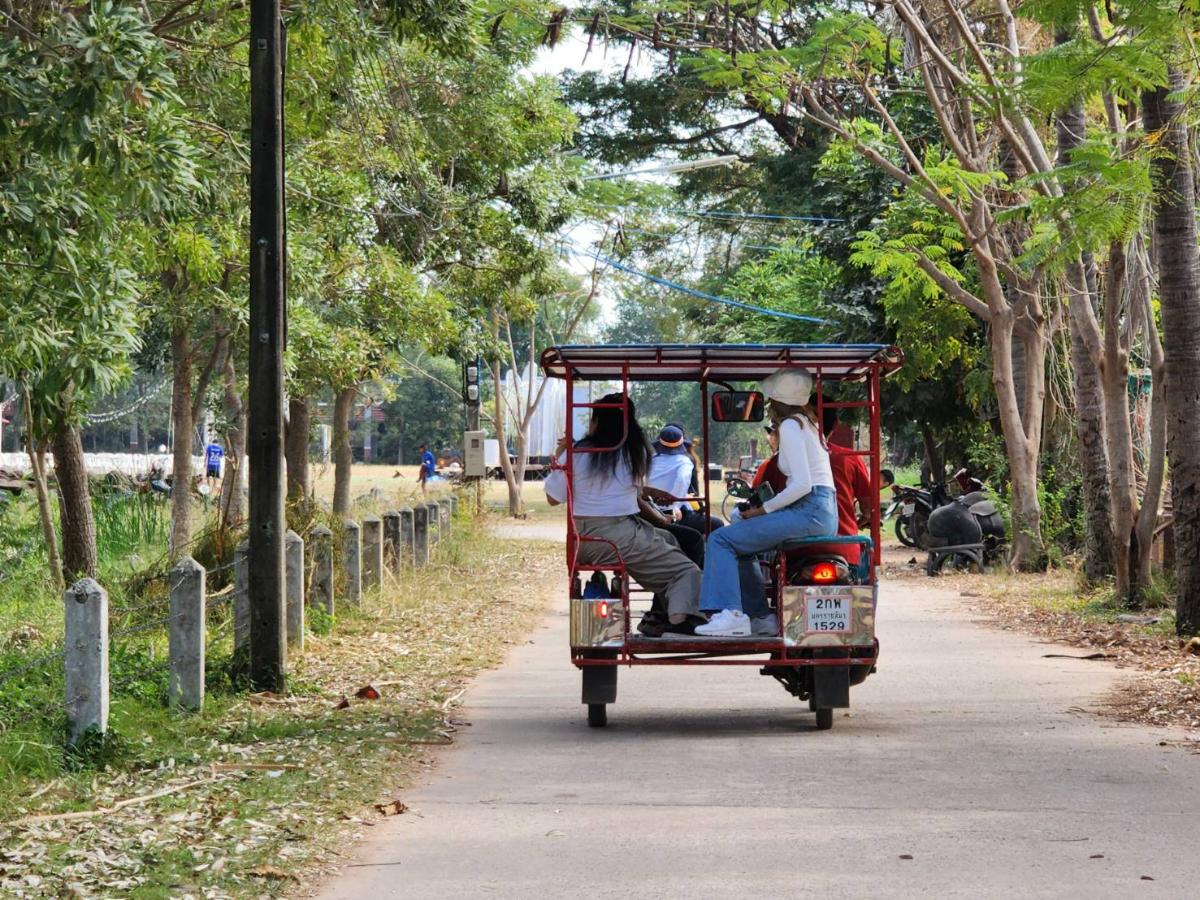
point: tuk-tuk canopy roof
(716, 362)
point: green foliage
(1106, 200)
(793, 279)
(127, 523)
(89, 138)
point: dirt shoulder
(259, 794)
(1163, 687)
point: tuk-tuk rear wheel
(824, 718)
(597, 715)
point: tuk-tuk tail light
(602, 609)
(824, 573)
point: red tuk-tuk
(825, 606)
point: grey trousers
(650, 554)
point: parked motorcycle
(912, 507)
(967, 533)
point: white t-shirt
(803, 459)
(672, 473)
(595, 493)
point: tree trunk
(1115, 372)
(343, 456)
(1102, 555)
(74, 502)
(933, 459)
(299, 427)
(516, 502)
(1022, 442)
(182, 423)
(37, 462)
(235, 446)
(1147, 519)
(1179, 294)
(1098, 557)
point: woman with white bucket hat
(806, 507)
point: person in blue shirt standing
(213, 454)
(428, 467)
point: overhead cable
(724, 214)
(675, 286)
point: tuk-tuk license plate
(909, 508)
(829, 614)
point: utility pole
(268, 335)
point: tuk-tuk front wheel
(597, 715)
(824, 718)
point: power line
(725, 214)
(112, 416)
(674, 236)
(701, 295)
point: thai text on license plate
(830, 614)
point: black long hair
(609, 430)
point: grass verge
(258, 792)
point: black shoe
(653, 624)
(686, 628)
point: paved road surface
(962, 752)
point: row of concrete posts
(379, 547)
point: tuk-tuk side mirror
(737, 406)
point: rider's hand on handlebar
(561, 447)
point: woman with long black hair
(610, 467)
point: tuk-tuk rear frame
(708, 364)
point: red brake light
(602, 609)
(824, 573)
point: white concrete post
(352, 551)
(293, 551)
(372, 540)
(241, 596)
(445, 523)
(435, 529)
(186, 634)
(454, 505)
(406, 535)
(391, 540)
(421, 536)
(85, 607)
(322, 550)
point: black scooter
(967, 534)
(914, 506)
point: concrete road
(966, 768)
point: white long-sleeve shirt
(803, 459)
(672, 473)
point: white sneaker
(726, 623)
(765, 626)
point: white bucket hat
(790, 386)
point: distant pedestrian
(213, 454)
(428, 467)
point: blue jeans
(725, 574)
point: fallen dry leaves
(1164, 684)
(269, 799)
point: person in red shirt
(851, 481)
(768, 467)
